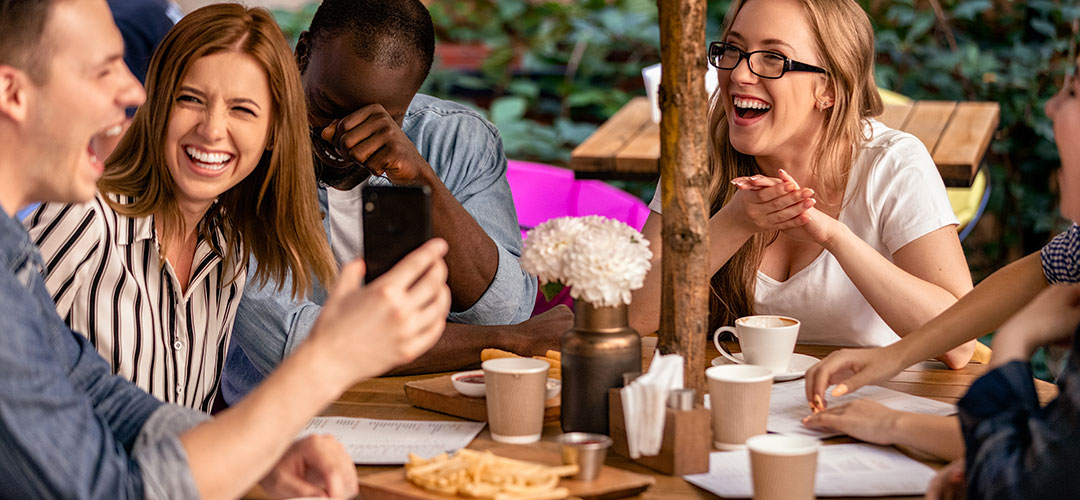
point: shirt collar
(130, 230)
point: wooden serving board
(437, 394)
(611, 483)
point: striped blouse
(109, 282)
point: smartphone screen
(397, 220)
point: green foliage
(554, 70)
(293, 22)
(1013, 53)
(550, 290)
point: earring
(823, 105)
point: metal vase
(596, 352)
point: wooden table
(385, 398)
(957, 134)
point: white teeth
(750, 104)
(113, 131)
(211, 161)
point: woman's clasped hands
(765, 203)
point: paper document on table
(851, 470)
(371, 441)
(788, 406)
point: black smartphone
(397, 220)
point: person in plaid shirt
(1014, 447)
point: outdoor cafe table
(384, 398)
(957, 134)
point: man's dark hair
(22, 26)
(390, 33)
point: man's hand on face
(371, 138)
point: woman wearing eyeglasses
(818, 211)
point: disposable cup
(783, 467)
(739, 396)
(516, 390)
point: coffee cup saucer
(796, 368)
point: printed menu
(788, 406)
(371, 441)
(853, 470)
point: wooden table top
(384, 398)
(957, 134)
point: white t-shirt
(346, 222)
(894, 196)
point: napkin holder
(687, 438)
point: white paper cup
(651, 76)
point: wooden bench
(957, 134)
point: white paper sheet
(371, 441)
(788, 406)
(859, 470)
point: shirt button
(178, 345)
(179, 389)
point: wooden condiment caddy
(687, 438)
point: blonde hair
(273, 213)
(845, 39)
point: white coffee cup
(766, 341)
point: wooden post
(683, 145)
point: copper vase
(596, 352)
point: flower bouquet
(602, 260)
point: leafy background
(546, 73)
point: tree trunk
(683, 169)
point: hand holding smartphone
(397, 220)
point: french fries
(487, 476)
(493, 353)
(554, 358)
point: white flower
(600, 259)
(544, 247)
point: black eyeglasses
(763, 63)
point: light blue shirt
(466, 152)
(69, 428)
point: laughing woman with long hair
(818, 211)
(215, 169)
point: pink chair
(543, 192)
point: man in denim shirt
(69, 428)
(362, 64)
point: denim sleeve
(68, 427)
(485, 193)
(270, 324)
(1014, 448)
(158, 451)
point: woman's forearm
(232, 452)
(978, 313)
(933, 434)
(904, 301)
